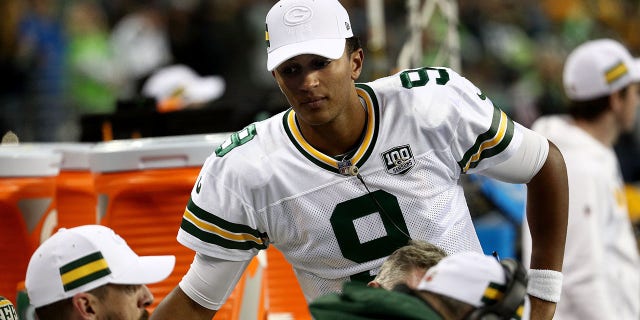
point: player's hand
(541, 309)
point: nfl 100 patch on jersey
(398, 160)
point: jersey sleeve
(485, 135)
(210, 281)
(219, 221)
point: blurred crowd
(62, 59)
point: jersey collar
(363, 151)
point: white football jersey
(266, 185)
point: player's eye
(289, 69)
(320, 63)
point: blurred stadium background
(76, 74)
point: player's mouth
(313, 102)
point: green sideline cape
(359, 302)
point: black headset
(513, 298)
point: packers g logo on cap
(297, 15)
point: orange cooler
(76, 198)
(284, 295)
(143, 186)
(27, 207)
(76, 195)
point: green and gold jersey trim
(489, 143)
(84, 270)
(364, 150)
(212, 229)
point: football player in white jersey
(353, 171)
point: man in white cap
(354, 171)
(465, 285)
(601, 262)
(89, 272)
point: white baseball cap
(180, 80)
(470, 277)
(83, 258)
(296, 27)
(598, 68)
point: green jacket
(359, 302)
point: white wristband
(545, 284)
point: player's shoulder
(418, 77)
(415, 82)
(251, 139)
(244, 152)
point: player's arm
(202, 291)
(540, 165)
(177, 305)
(535, 161)
(547, 212)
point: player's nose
(310, 80)
(145, 298)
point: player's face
(125, 302)
(630, 105)
(319, 89)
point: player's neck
(340, 136)
(604, 129)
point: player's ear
(374, 284)
(273, 73)
(83, 303)
(616, 101)
(356, 59)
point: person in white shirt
(601, 264)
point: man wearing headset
(465, 285)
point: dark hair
(58, 310)
(591, 109)
(63, 309)
(353, 44)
